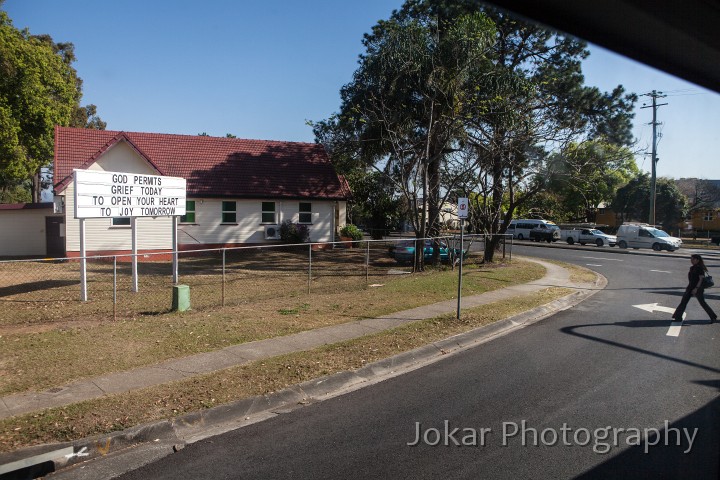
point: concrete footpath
(164, 437)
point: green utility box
(181, 298)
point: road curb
(168, 436)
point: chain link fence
(36, 292)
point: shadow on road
(673, 457)
(636, 324)
(667, 459)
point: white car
(584, 236)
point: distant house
(604, 215)
(238, 191)
(707, 194)
(449, 216)
(706, 216)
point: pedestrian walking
(696, 275)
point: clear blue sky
(260, 69)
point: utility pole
(653, 178)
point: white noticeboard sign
(462, 207)
(100, 194)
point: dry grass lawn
(51, 353)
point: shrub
(293, 232)
(351, 231)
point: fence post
(367, 262)
(309, 267)
(114, 287)
(223, 277)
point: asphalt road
(603, 390)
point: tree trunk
(434, 206)
(36, 187)
(420, 246)
(497, 194)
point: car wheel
(622, 244)
(570, 240)
(656, 247)
(599, 242)
(520, 236)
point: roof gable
(213, 166)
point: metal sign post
(83, 263)
(133, 235)
(175, 250)
(462, 227)
(462, 215)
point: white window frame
(308, 213)
(113, 225)
(223, 212)
(183, 218)
(264, 212)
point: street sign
(100, 194)
(462, 207)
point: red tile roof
(213, 166)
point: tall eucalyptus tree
(403, 112)
(537, 104)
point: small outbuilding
(31, 230)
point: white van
(521, 227)
(642, 235)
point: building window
(189, 216)
(121, 222)
(708, 216)
(305, 213)
(268, 212)
(229, 212)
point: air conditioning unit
(272, 232)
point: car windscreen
(658, 233)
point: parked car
(545, 232)
(642, 235)
(584, 236)
(404, 251)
